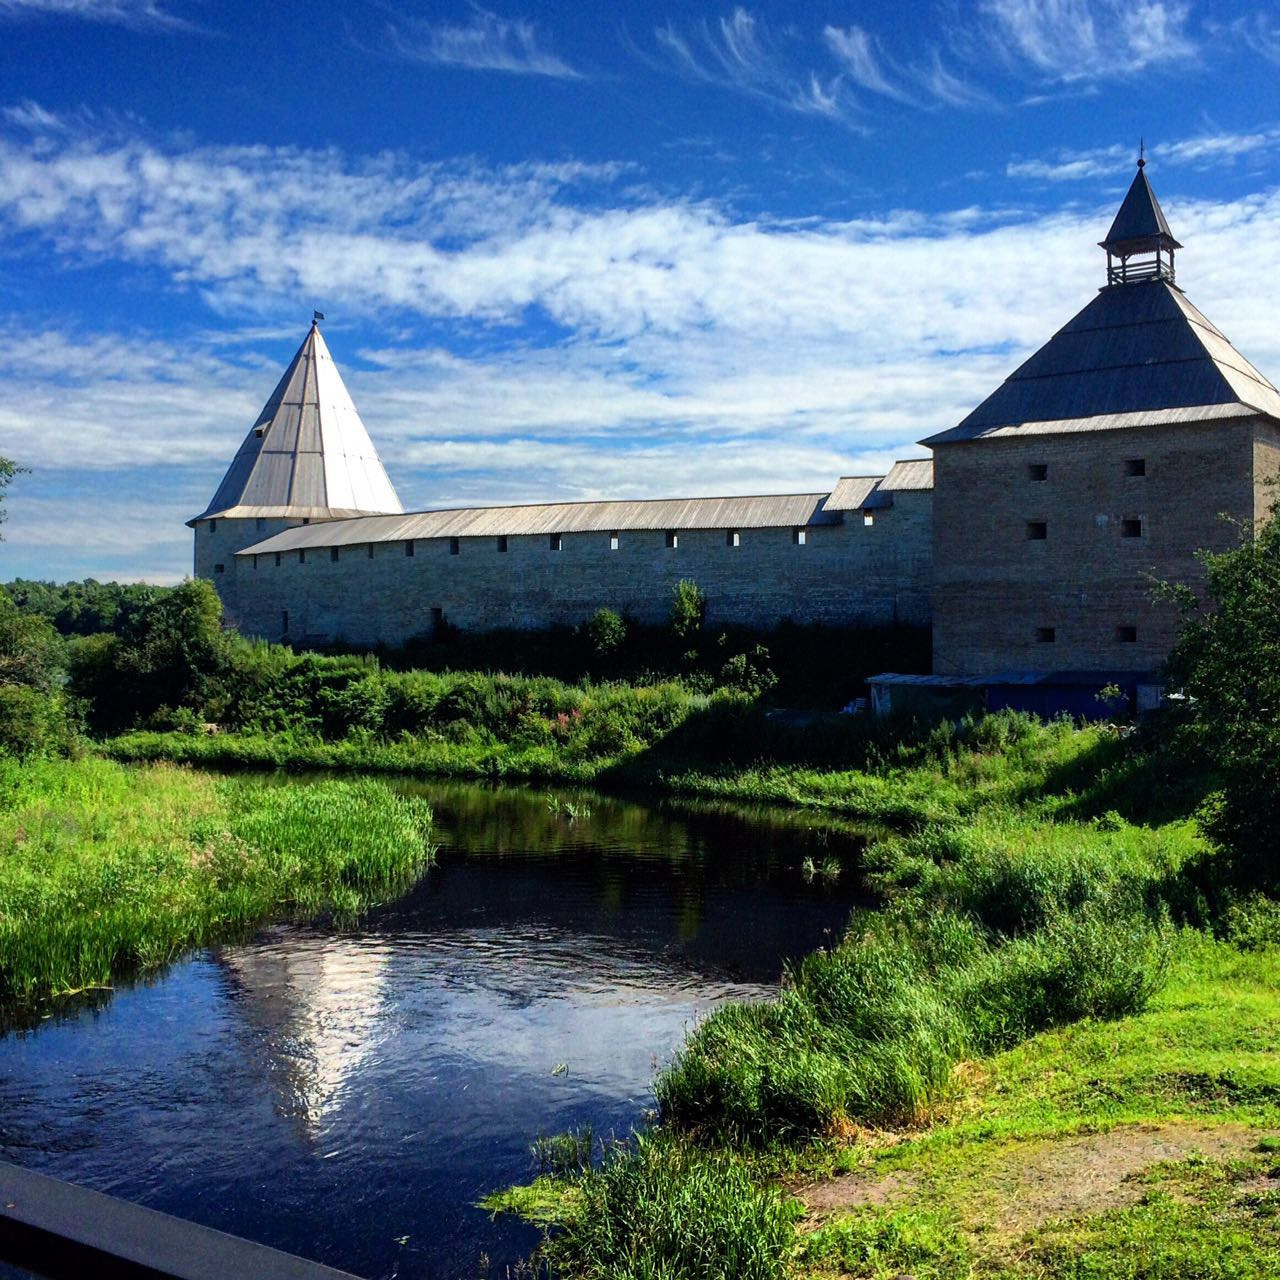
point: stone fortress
(1030, 542)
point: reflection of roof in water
(315, 1004)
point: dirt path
(1028, 1183)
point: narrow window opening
(369, 550)
(213, 526)
(800, 537)
(255, 562)
(284, 621)
(1127, 635)
(259, 432)
(259, 524)
(502, 542)
(306, 519)
(1037, 530)
(731, 538)
(1037, 471)
(437, 619)
(302, 556)
(1046, 635)
(333, 554)
(408, 547)
(613, 541)
(1135, 466)
(455, 546)
(868, 518)
(277, 559)
(1131, 528)
(219, 568)
(673, 539)
(554, 542)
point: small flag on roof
(317, 315)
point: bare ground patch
(1028, 1183)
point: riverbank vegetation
(1074, 963)
(112, 871)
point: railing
(60, 1231)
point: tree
(8, 470)
(171, 654)
(1227, 661)
(688, 609)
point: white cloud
(1072, 40)
(486, 43)
(924, 83)
(1204, 151)
(740, 53)
(137, 14)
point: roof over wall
(908, 474)
(308, 455)
(856, 493)
(870, 493)
(1136, 349)
(789, 510)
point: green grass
(658, 1208)
(110, 870)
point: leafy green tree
(1227, 661)
(688, 609)
(172, 655)
(606, 632)
(8, 470)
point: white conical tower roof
(308, 455)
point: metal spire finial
(1142, 153)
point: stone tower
(307, 458)
(1099, 468)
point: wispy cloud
(137, 14)
(1074, 40)
(1204, 151)
(740, 53)
(1261, 31)
(486, 43)
(927, 82)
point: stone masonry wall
(1266, 469)
(996, 588)
(846, 574)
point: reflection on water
(330, 1093)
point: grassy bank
(666, 738)
(111, 870)
(1052, 1054)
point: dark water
(330, 1092)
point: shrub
(32, 723)
(606, 632)
(688, 609)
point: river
(349, 1094)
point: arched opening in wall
(437, 621)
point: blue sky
(573, 250)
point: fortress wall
(1266, 469)
(216, 544)
(844, 574)
(995, 587)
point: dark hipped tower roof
(1138, 355)
(308, 456)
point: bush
(688, 609)
(32, 723)
(606, 632)
(1227, 659)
